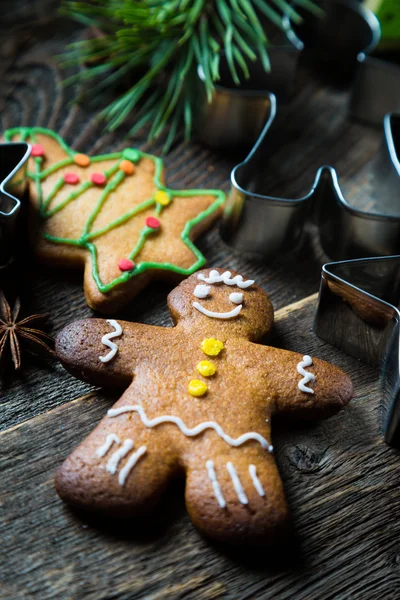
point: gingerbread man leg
(120, 469)
(236, 494)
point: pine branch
(166, 41)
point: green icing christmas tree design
(107, 181)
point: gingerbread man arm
(105, 351)
(304, 386)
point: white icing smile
(217, 315)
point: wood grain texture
(342, 481)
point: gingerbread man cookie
(199, 402)
(113, 216)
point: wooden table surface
(341, 480)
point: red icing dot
(37, 150)
(153, 223)
(126, 265)
(98, 178)
(71, 178)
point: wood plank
(341, 480)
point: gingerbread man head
(222, 300)
(198, 403)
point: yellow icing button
(211, 347)
(206, 368)
(197, 387)
(162, 198)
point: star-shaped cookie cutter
(13, 169)
(264, 225)
(358, 312)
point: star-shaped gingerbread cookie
(198, 403)
(113, 216)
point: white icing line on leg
(124, 472)
(215, 483)
(236, 483)
(256, 482)
(118, 454)
(102, 451)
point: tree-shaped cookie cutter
(263, 225)
(13, 169)
(338, 39)
(341, 41)
(358, 312)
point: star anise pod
(14, 334)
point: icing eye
(236, 297)
(201, 291)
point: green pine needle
(159, 46)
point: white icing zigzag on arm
(114, 412)
(307, 377)
(106, 340)
(215, 277)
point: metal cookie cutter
(264, 225)
(337, 39)
(236, 115)
(340, 42)
(376, 90)
(358, 312)
(13, 168)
